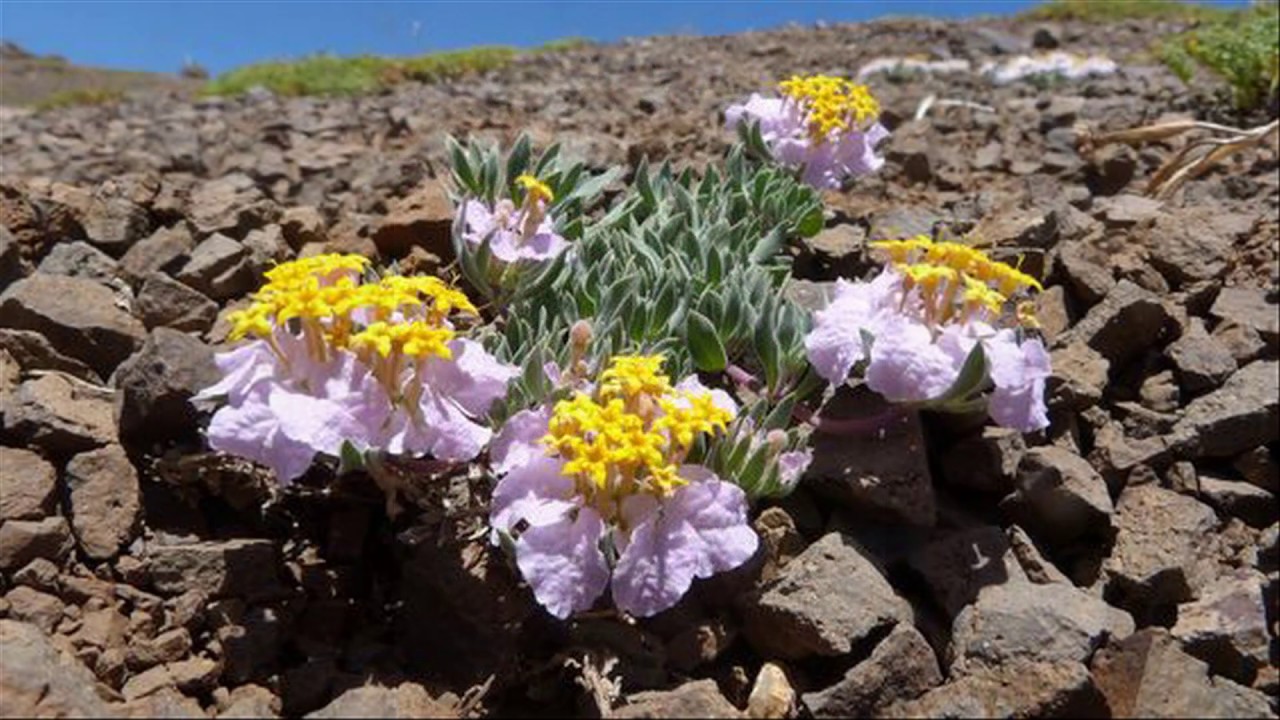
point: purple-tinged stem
(849, 427)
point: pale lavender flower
(824, 152)
(513, 234)
(647, 550)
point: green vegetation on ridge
(333, 75)
(1113, 10)
(1243, 49)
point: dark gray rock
(956, 568)
(987, 462)
(231, 568)
(1236, 498)
(157, 383)
(79, 259)
(882, 471)
(32, 351)
(1252, 308)
(1127, 322)
(218, 267)
(165, 302)
(1227, 626)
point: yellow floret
(833, 104)
(535, 189)
(632, 375)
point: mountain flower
(912, 329)
(597, 494)
(526, 232)
(334, 359)
(824, 127)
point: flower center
(537, 196)
(958, 282)
(631, 435)
(831, 104)
(385, 323)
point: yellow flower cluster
(833, 104)
(632, 436)
(535, 189)
(954, 277)
(335, 309)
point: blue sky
(160, 35)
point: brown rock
(424, 217)
(406, 700)
(1227, 626)
(1018, 689)
(1060, 496)
(956, 567)
(27, 484)
(901, 668)
(22, 541)
(1127, 322)
(59, 415)
(32, 351)
(218, 267)
(163, 251)
(30, 605)
(79, 317)
(1147, 676)
(243, 567)
(824, 602)
(1252, 308)
(1242, 414)
(699, 698)
(37, 680)
(104, 500)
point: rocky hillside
(27, 79)
(1123, 563)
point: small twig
(931, 100)
(1189, 162)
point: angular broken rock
(165, 302)
(901, 668)
(1079, 376)
(27, 485)
(423, 218)
(1227, 626)
(1260, 467)
(1127, 322)
(22, 541)
(1059, 497)
(245, 568)
(1202, 362)
(1188, 244)
(772, 697)
(219, 267)
(1037, 623)
(163, 251)
(1242, 414)
(1017, 689)
(104, 500)
(59, 415)
(1147, 676)
(986, 462)
(824, 602)
(229, 204)
(1252, 308)
(157, 383)
(958, 566)
(38, 680)
(882, 471)
(1237, 498)
(79, 259)
(407, 700)
(32, 351)
(79, 317)
(1163, 551)
(699, 698)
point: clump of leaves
(686, 266)
(80, 96)
(1242, 48)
